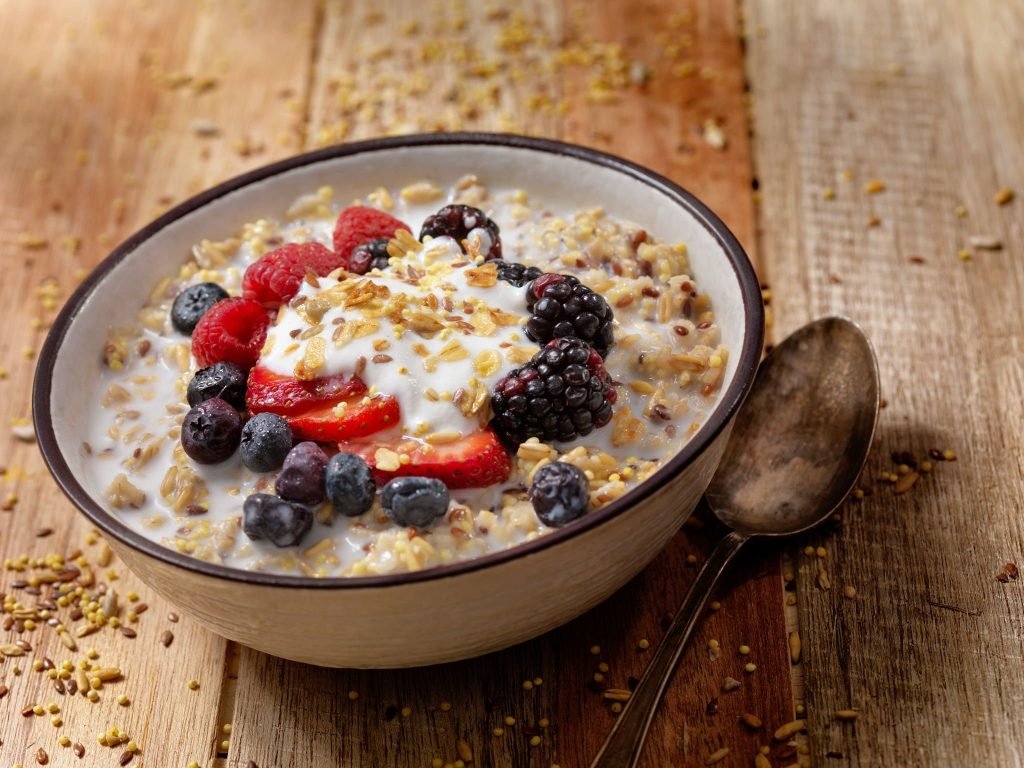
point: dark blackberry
(372, 254)
(560, 306)
(563, 393)
(560, 493)
(516, 274)
(457, 221)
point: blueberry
(224, 380)
(282, 523)
(210, 431)
(350, 486)
(266, 441)
(414, 501)
(302, 476)
(194, 302)
(559, 493)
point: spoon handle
(622, 747)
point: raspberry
(516, 274)
(458, 221)
(372, 254)
(233, 330)
(563, 393)
(359, 224)
(562, 306)
(275, 277)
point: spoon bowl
(796, 450)
(799, 442)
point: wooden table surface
(857, 150)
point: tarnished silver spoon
(797, 447)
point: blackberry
(372, 254)
(458, 221)
(560, 493)
(564, 392)
(561, 306)
(194, 302)
(516, 274)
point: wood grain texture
(97, 113)
(925, 97)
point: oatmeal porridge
(419, 377)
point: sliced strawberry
(475, 461)
(275, 277)
(286, 395)
(360, 224)
(359, 419)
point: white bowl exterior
(444, 618)
(439, 620)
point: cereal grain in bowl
(428, 339)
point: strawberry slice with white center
(325, 409)
(474, 461)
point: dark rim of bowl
(730, 401)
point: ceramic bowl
(445, 613)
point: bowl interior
(565, 183)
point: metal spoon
(797, 447)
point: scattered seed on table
(730, 684)
(791, 728)
(166, 638)
(717, 756)
(644, 644)
(128, 632)
(126, 757)
(464, 751)
(535, 741)
(748, 668)
(193, 685)
(847, 714)
(744, 650)
(794, 647)
(595, 650)
(41, 757)
(751, 721)
(849, 592)
(171, 617)
(1003, 196)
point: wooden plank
(97, 118)
(381, 75)
(925, 97)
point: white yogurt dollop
(439, 323)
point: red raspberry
(275, 277)
(360, 224)
(232, 330)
